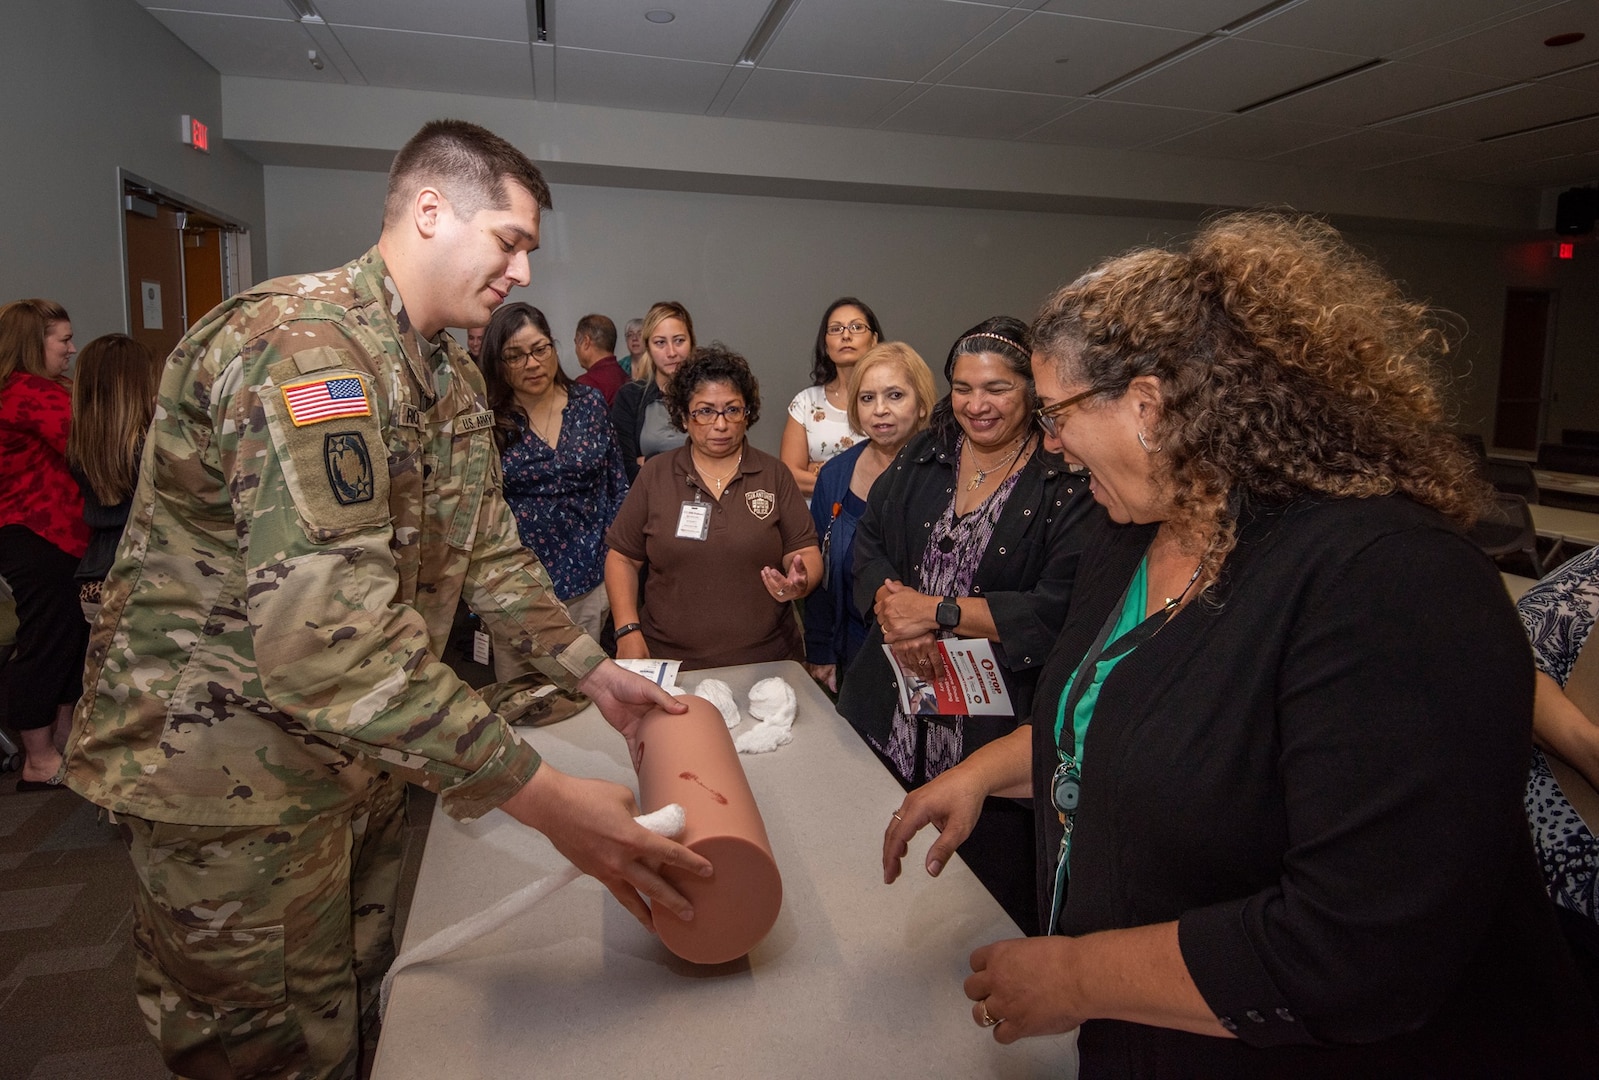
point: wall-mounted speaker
(1575, 211)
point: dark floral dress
(565, 497)
(1559, 613)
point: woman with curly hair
(719, 525)
(1278, 751)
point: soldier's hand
(624, 698)
(591, 823)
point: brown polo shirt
(705, 603)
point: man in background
(595, 343)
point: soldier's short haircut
(599, 330)
(467, 163)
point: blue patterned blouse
(564, 499)
(1559, 613)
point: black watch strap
(623, 631)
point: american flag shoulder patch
(326, 399)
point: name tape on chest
(315, 400)
(465, 425)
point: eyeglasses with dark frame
(707, 415)
(856, 328)
(516, 357)
(1049, 416)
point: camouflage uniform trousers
(260, 948)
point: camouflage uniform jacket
(318, 490)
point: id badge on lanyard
(694, 520)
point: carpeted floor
(66, 962)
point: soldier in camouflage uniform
(319, 489)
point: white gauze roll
(773, 703)
(720, 694)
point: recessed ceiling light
(1564, 39)
(659, 15)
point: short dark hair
(1007, 338)
(504, 324)
(468, 163)
(823, 370)
(599, 330)
(709, 364)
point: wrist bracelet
(623, 631)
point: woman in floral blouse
(564, 478)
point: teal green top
(1134, 601)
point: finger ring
(782, 592)
(987, 1021)
(895, 816)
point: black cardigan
(627, 418)
(1317, 768)
(1025, 575)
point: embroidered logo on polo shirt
(761, 502)
(326, 399)
(349, 467)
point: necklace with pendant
(980, 475)
(720, 481)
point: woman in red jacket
(42, 532)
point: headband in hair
(995, 337)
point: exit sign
(196, 134)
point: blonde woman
(42, 534)
(113, 401)
(890, 398)
(639, 414)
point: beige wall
(757, 271)
(91, 86)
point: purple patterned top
(954, 548)
(565, 498)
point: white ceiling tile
(1367, 149)
(1388, 90)
(1200, 15)
(1252, 138)
(1568, 171)
(586, 77)
(256, 9)
(1471, 160)
(1233, 73)
(504, 20)
(1095, 52)
(886, 39)
(457, 65)
(982, 114)
(1582, 78)
(1374, 27)
(713, 31)
(1118, 124)
(807, 98)
(1516, 47)
(266, 48)
(1498, 114)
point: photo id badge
(694, 522)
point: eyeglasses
(540, 352)
(1049, 417)
(707, 415)
(837, 329)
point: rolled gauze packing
(689, 759)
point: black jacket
(1025, 575)
(1317, 768)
